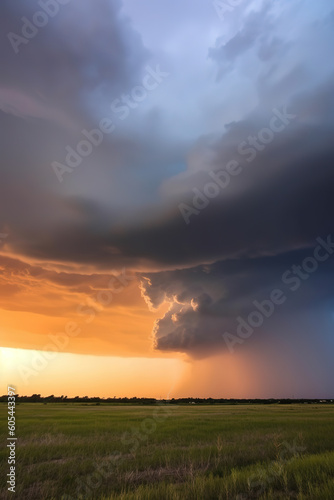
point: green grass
(181, 452)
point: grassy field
(73, 451)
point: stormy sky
(190, 144)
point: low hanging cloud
(248, 295)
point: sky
(166, 207)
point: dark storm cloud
(84, 51)
(206, 301)
(281, 200)
(84, 47)
(121, 206)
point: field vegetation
(104, 452)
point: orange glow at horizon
(37, 304)
(30, 372)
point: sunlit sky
(166, 166)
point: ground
(106, 452)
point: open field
(171, 452)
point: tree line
(37, 398)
